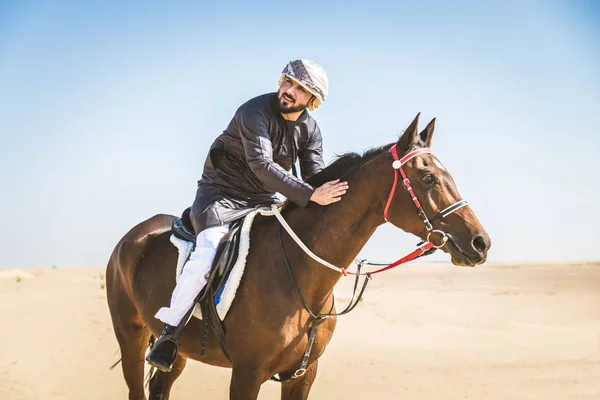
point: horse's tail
(115, 364)
(152, 369)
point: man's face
(292, 97)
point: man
(246, 165)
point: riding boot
(163, 352)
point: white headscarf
(311, 76)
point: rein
(424, 246)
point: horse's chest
(294, 341)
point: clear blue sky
(107, 110)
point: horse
(267, 327)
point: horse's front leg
(245, 383)
(298, 388)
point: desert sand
(426, 331)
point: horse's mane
(345, 164)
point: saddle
(225, 259)
(182, 227)
(227, 250)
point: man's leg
(192, 280)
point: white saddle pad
(233, 281)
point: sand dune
(428, 331)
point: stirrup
(164, 351)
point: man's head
(302, 84)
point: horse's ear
(427, 133)
(410, 137)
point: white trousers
(194, 275)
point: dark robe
(251, 161)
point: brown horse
(267, 326)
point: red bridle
(397, 165)
(426, 245)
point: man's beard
(288, 109)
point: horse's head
(436, 212)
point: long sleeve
(311, 157)
(259, 155)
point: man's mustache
(288, 97)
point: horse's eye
(429, 178)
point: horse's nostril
(479, 243)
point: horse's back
(129, 251)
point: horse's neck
(339, 231)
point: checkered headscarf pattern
(311, 76)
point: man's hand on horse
(330, 192)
